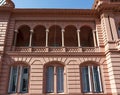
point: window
(54, 74)
(91, 79)
(119, 32)
(18, 79)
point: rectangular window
(60, 79)
(24, 79)
(13, 80)
(85, 79)
(91, 79)
(50, 79)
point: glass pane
(60, 79)
(119, 32)
(50, 80)
(96, 80)
(24, 79)
(85, 79)
(13, 80)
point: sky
(69, 4)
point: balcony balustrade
(56, 49)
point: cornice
(113, 7)
(86, 12)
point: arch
(86, 63)
(54, 63)
(23, 36)
(39, 36)
(55, 36)
(70, 36)
(20, 63)
(86, 36)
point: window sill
(18, 93)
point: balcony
(55, 49)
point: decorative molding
(6, 3)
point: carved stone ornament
(6, 3)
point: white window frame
(10, 81)
(21, 77)
(55, 75)
(18, 79)
(91, 79)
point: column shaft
(78, 34)
(47, 31)
(15, 38)
(94, 37)
(63, 37)
(30, 41)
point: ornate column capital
(63, 30)
(16, 31)
(31, 31)
(47, 30)
(78, 30)
(94, 30)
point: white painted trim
(100, 79)
(9, 89)
(89, 74)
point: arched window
(18, 81)
(54, 79)
(91, 79)
(23, 36)
(119, 32)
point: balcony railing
(55, 49)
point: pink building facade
(60, 51)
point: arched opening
(91, 81)
(86, 37)
(55, 36)
(70, 36)
(39, 36)
(54, 78)
(23, 36)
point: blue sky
(77, 4)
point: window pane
(60, 87)
(85, 79)
(24, 79)
(50, 79)
(96, 79)
(119, 32)
(13, 79)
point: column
(94, 37)
(30, 41)
(47, 31)
(78, 34)
(63, 37)
(15, 37)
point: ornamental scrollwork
(6, 3)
